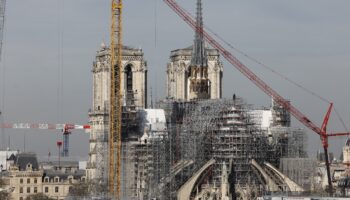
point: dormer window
(70, 179)
(29, 167)
(57, 179)
(46, 179)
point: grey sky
(308, 41)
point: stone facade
(26, 178)
(57, 184)
(25, 182)
(178, 74)
(134, 84)
(346, 155)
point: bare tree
(79, 190)
(87, 190)
(39, 196)
(4, 194)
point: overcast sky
(48, 42)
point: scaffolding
(145, 157)
(300, 170)
(288, 142)
(222, 129)
(281, 117)
(226, 130)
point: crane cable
(275, 72)
(280, 75)
(155, 50)
(60, 6)
(3, 77)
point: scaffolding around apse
(226, 130)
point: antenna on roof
(59, 144)
(9, 143)
(151, 98)
(48, 156)
(24, 143)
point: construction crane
(66, 130)
(321, 131)
(115, 106)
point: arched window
(129, 84)
(128, 77)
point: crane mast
(115, 113)
(322, 132)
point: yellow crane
(115, 113)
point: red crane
(321, 131)
(66, 130)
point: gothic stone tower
(195, 72)
(134, 82)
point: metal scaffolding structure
(226, 130)
(222, 129)
(288, 142)
(301, 170)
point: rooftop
(23, 159)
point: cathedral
(194, 73)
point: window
(21, 190)
(56, 189)
(56, 179)
(28, 180)
(46, 179)
(70, 180)
(35, 180)
(28, 189)
(21, 198)
(35, 190)
(46, 189)
(21, 180)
